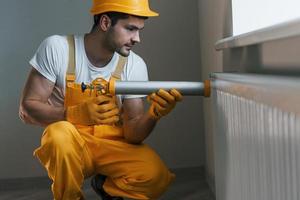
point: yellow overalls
(71, 153)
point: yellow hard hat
(132, 7)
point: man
(89, 133)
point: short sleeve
(48, 57)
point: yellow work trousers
(70, 154)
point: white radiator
(257, 137)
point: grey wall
(170, 46)
(214, 24)
(171, 49)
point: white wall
(267, 13)
(169, 46)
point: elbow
(131, 138)
(23, 114)
(133, 141)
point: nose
(136, 37)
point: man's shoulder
(133, 54)
(135, 57)
(55, 39)
(57, 44)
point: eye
(130, 28)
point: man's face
(125, 34)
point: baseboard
(190, 173)
(24, 183)
(211, 183)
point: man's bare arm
(137, 123)
(34, 108)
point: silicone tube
(148, 87)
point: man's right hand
(95, 111)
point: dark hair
(114, 17)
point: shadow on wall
(265, 58)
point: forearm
(136, 130)
(40, 113)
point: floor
(189, 185)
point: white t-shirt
(52, 57)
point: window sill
(276, 32)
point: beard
(113, 45)
(123, 51)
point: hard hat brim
(142, 13)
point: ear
(105, 23)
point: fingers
(163, 102)
(111, 120)
(163, 98)
(159, 100)
(102, 99)
(166, 96)
(103, 104)
(176, 94)
(103, 108)
(108, 114)
(158, 110)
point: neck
(96, 52)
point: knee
(58, 134)
(60, 145)
(153, 173)
(150, 178)
(158, 178)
